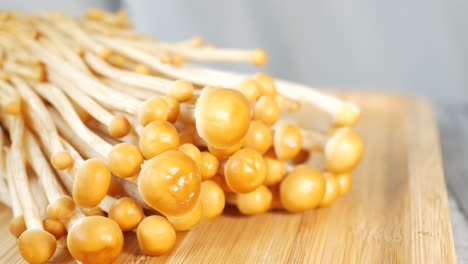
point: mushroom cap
(170, 183)
(158, 137)
(345, 182)
(54, 227)
(259, 137)
(343, 151)
(192, 151)
(95, 239)
(17, 226)
(61, 160)
(36, 245)
(181, 90)
(119, 126)
(287, 141)
(268, 86)
(13, 108)
(125, 160)
(174, 108)
(255, 202)
(92, 181)
(332, 190)
(222, 117)
(212, 199)
(155, 235)
(209, 165)
(224, 153)
(187, 221)
(267, 110)
(250, 89)
(347, 115)
(152, 109)
(95, 211)
(62, 208)
(259, 57)
(276, 170)
(245, 171)
(302, 189)
(127, 213)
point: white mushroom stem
(39, 195)
(33, 72)
(312, 140)
(66, 110)
(14, 198)
(4, 191)
(102, 28)
(8, 95)
(134, 91)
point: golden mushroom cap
(170, 183)
(187, 221)
(192, 151)
(259, 137)
(119, 126)
(268, 86)
(267, 110)
(154, 108)
(332, 190)
(174, 108)
(13, 108)
(17, 226)
(155, 235)
(348, 115)
(245, 171)
(223, 153)
(36, 245)
(158, 137)
(345, 182)
(62, 208)
(95, 211)
(222, 117)
(259, 57)
(255, 202)
(181, 90)
(250, 89)
(61, 160)
(302, 189)
(212, 199)
(209, 165)
(125, 160)
(91, 184)
(276, 170)
(54, 227)
(127, 213)
(95, 239)
(343, 151)
(287, 141)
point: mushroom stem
(15, 203)
(4, 191)
(9, 98)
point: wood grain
(397, 211)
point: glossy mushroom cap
(276, 170)
(255, 202)
(125, 160)
(127, 213)
(345, 182)
(250, 89)
(302, 189)
(181, 90)
(193, 152)
(54, 227)
(348, 115)
(224, 153)
(13, 108)
(287, 141)
(158, 137)
(174, 108)
(95, 239)
(259, 137)
(245, 171)
(187, 221)
(259, 57)
(62, 208)
(17, 226)
(155, 235)
(61, 160)
(36, 245)
(212, 199)
(119, 127)
(343, 151)
(209, 165)
(154, 108)
(222, 117)
(332, 190)
(268, 86)
(170, 183)
(267, 110)
(91, 184)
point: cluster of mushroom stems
(105, 130)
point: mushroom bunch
(120, 132)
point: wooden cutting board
(397, 210)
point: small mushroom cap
(13, 108)
(343, 151)
(302, 189)
(250, 89)
(61, 160)
(267, 110)
(119, 127)
(125, 160)
(127, 213)
(259, 137)
(222, 117)
(91, 184)
(192, 151)
(141, 69)
(287, 141)
(174, 108)
(224, 153)
(267, 84)
(345, 182)
(95, 211)
(245, 171)
(155, 235)
(209, 165)
(170, 183)
(95, 239)
(105, 52)
(36, 245)
(158, 137)
(259, 57)
(187, 221)
(62, 208)
(347, 115)
(154, 108)
(212, 199)
(181, 90)
(255, 202)
(332, 190)
(54, 227)
(276, 170)
(17, 226)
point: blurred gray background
(416, 47)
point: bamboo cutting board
(397, 210)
